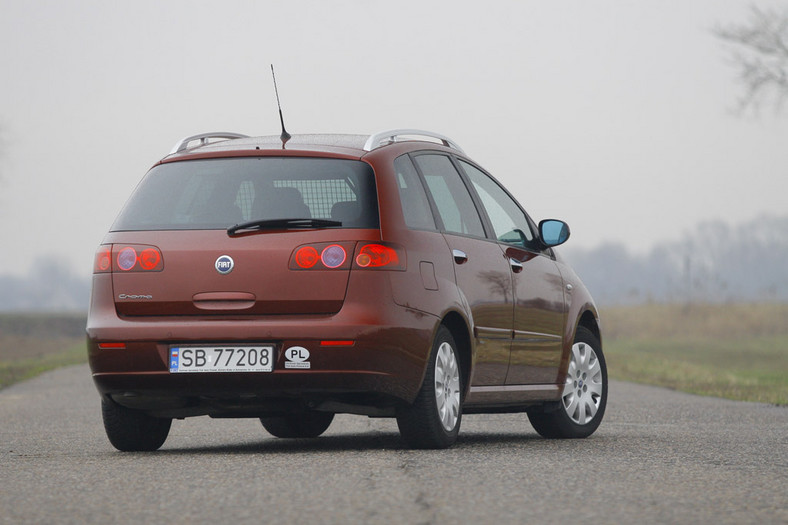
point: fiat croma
(290, 280)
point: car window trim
(434, 207)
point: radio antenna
(285, 136)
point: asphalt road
(659, 457)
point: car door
(481, 270)
(539, 307)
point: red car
(387, 276)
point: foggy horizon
(617, 118)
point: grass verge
(32, 343)
(733, 351)
(13, 371)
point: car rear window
(219, 193)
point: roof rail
(203, 138)
(385, 137)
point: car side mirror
(553, 232)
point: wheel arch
(590, 321)
(462, 337)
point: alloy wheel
(583, 389)
(447, 386)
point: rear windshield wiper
(285, 224)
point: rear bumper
(383, 367)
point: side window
(508, 220)
(452, 198)
(415, 206)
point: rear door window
(454, 202)
(219, 193)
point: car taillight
(306, 257)
(103, 261)
(128, 258)
(331, 256)
(322, 256)
(137, 258)
(376, 256)
(149, 259)
(379, 256)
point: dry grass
(655, 321)
(737, 351)
(34, 343)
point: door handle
(460, 257)
(516, 265)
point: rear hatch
(293, 222)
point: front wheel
(131, 430)
(433, 421)
(584, 397)
(307, 425)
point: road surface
(659, 457)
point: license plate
(221, 359)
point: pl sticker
(297, 357)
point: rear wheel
(433, 421)
(131, 430)
(307, 425)
(584, 397)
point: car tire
(131, 430)
(433, 421)
(584, 397)
(310, 424)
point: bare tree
(759, 50)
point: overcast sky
(615, 116)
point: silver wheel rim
(583, 388)
(447, 386)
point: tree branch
(759, 50)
